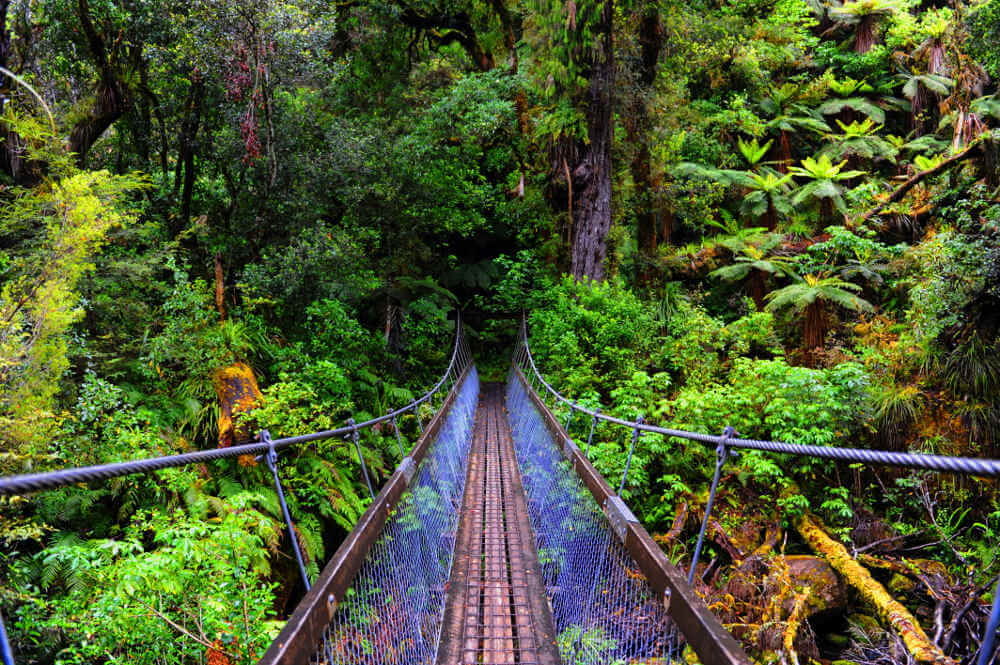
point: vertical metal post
(357, 446)
(272, 463)
(5, 650)
(628, 462)
(721, 452)
(593, 424)
(399, 438)
(569, 418)
(420, 424)
(986, 650)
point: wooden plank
(505, 617)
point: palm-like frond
(856, 11)
(823, 168)
(856, 104)
(834, 290)
(752, 151)
(939, 85)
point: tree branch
(901, 191)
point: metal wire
(5, 650)
(272, 463)
(604, 610)
(962, 465)
(393, 612)
(986, 650)
(721, 452)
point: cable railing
(615, 597)
(460, 366)
(728, 441)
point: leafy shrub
(769, 399)
(586, 335)
(180, 583)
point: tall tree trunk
(666, 229)
(12, 162)
(864, 36)
(185, 154)
(592, 177)
(826, 210)
(111, 99)
(9, 157)
(509, 32)
(815, 330)
(771, 216)
(650, 41)
(785, 150)
(756, 288)
(220, 288)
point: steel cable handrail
(26, 483)
(962, 465)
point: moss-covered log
(891, 611)
(236, 388)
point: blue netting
(393, 611)
(603, 608)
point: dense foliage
(781, 217)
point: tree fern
(810, 295)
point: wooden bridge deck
(496, 612)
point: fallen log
(902, 621)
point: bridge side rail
(460, 365)
(310, 622)
(702, 630)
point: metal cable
(5, 650)
(972, 466)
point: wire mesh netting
(604, 610)
(393, 611)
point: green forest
(224, 216)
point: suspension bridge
(496, 541)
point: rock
(828, 594)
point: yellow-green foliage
(71, 217)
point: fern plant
(851, 97)
(859, 140)
(813, 294)
(864, 16)
(824, 183)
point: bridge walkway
(496, 611)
